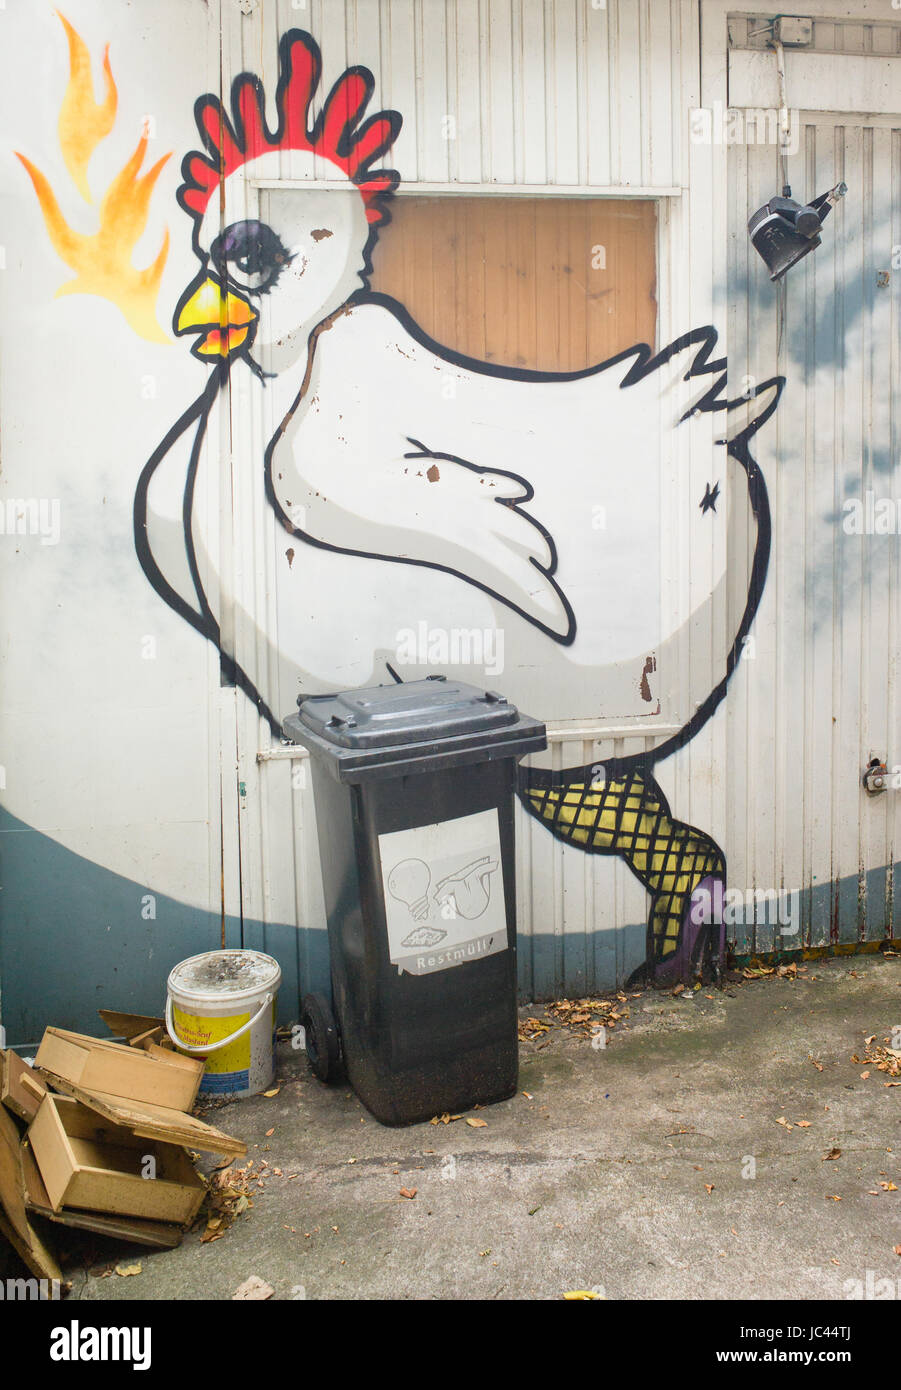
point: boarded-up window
(555, 284)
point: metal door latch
(875, 777)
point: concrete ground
(687, 1159)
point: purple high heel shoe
(702, 938)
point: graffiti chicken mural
(407, 479)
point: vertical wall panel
(831, 602)
(540, 91)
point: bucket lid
(217, 975)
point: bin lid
(389, 715)
(410, 722)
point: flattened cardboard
(96, 1167)
(14, 1223)
(21, 1091)
(154, 1074)
(36, 1256)
(129, 1026)
(12, 1187)
(158, 1122)
(153, 1035)
(163, 1235)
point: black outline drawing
(460, 876)
(247, 97)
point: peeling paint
(650, 667)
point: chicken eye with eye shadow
(250, 255)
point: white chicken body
(404, 487)
(389, 466)
(398, 452)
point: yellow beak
(224, 318)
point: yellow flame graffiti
(83, 122)
(102, 260)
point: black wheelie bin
(414, 792)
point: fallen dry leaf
(833, 1198)
(803, 1124)
(897, 1250)
(127, 1270)
(888, 1187)
(272, 1093)
(580, 1295)
(833, 1153)
(409, 1192)
(253, 1288)
(708, 1187)
(885, 1059)
(476, 1122)
(532, 1028)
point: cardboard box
(130, 1026)
(88, 1164)
(161, 1235)
(156, 1121)
(21, 1091)
(15, 1225)
(151, 1074)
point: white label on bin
(444, 893)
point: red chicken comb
(336, 134)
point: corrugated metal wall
(505, 91)
(821, 697)
(536, 96)
(509, 93)
(775, 777)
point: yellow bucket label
(195, 1031)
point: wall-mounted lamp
(784, 232)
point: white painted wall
(135, 764)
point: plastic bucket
(221, 1006)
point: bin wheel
(323, 1046)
